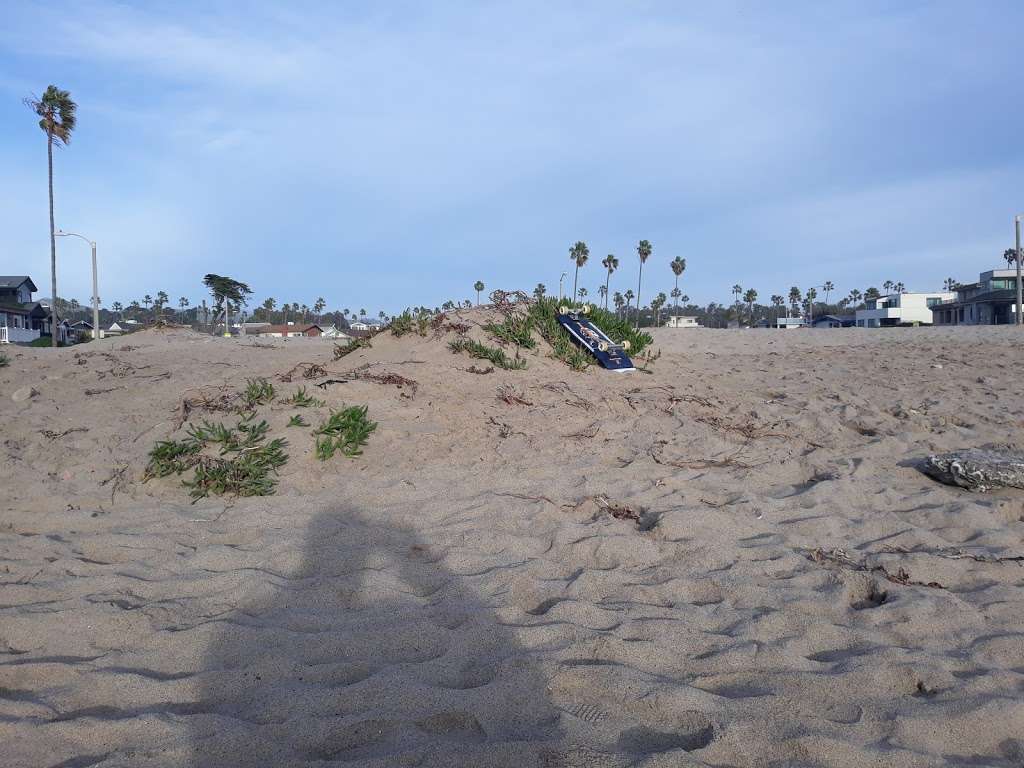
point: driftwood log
(978, 469)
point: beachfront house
(333, 332)
(682, 321)
(900, 309)
(785, 323)
(289, 330)
(833, 321)
(22, 320)
(990, 301)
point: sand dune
(730, 561)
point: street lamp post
(1016, 224)
(95, 286)
(560, 285)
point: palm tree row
(579, 253)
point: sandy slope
(463, 595)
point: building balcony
(12, 335)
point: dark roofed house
(285, 331)
(834, 321)
(21, 319)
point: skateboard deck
(587, 335)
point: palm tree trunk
(639, 280)
(53, 244)
(607, 279)
(575, 276)
(675, 294)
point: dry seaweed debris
(307, 370)
(841, 558)
(509, 395)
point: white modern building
(682, 321)
(787, 323)
(901, 309)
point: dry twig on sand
(732, 460)
(308, 371)
(842, 559)
(101, 391)
(480, 371)
(618, 511)
(587, 432)
(954, 553)
(525, 497)
(511, 396)
(51, 435)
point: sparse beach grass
(484, 352)
(347, 430)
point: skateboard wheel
(626, 345)
(585, 309)
(603, 346)
(563, 310)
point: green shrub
(302, 399)
(347, 430)
(257, 392)
(483, 352)
(341, 351)
(247, 471)
(516, 329)
(297, 421)
(247, 474)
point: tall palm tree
(161, 299)
(610, 263)
(855, 297)
(629, 298)
(676, 293)
(579, 253)
(318, 307)
(602, 291)
(478, 286)
(643, 250)
(656, 304)
(582, 293)
(147, 300)
(362, 313)
(899, 287)
(618, 301)
(678, 266)
(828, 287)
(118, 308)
(750, 297)
(794, 298)
(887, 285)
(737, 290)
(539, 291)
(778, 302)
(1010, 254)
(56, 113)
(182, 303)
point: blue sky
(388, 154)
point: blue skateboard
(587, 335)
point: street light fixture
(560, 285)
(95, 288)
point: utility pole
(1016, 222)
(95, 286)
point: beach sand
(733, 560)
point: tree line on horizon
(57, 113)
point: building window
(931, 301)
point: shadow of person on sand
(373, 654)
